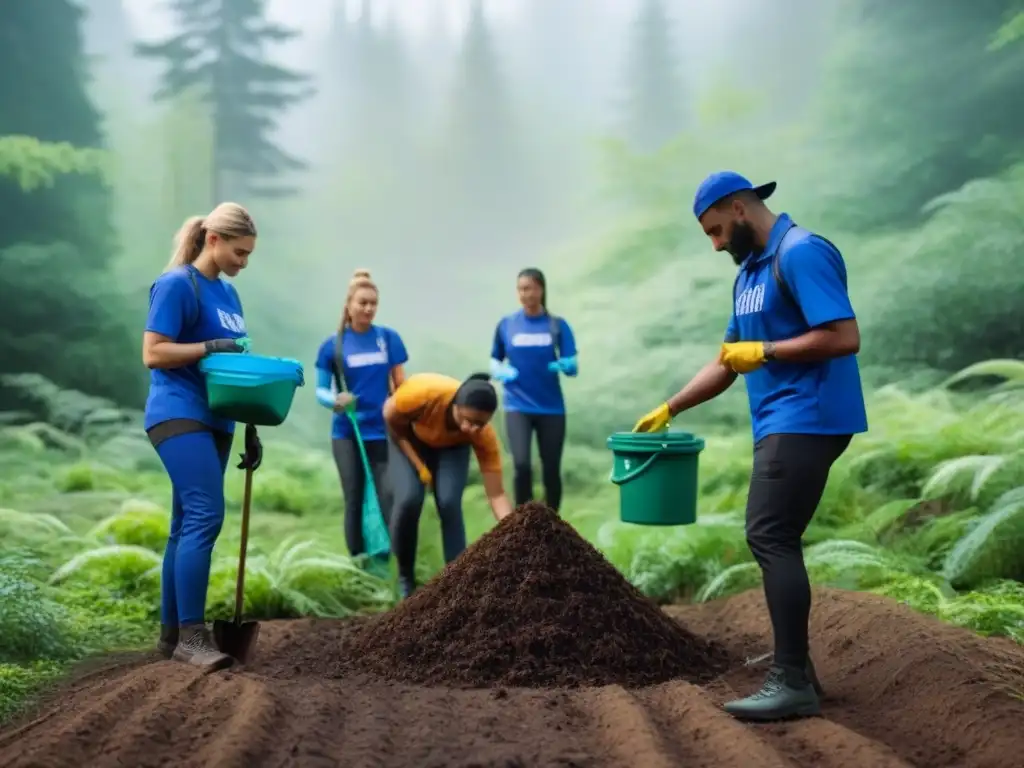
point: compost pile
(529, 604)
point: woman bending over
(434, 420)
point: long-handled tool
(237, 638)
(375, 533)
(376, 540)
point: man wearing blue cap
(793, 335)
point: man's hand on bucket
(655, 421)
(742, 356)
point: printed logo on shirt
(363, 359)
(532, 340)
(231, 321)
(751, 301)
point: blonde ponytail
(360, 279)
(188, 243)
(229, 220)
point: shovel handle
(240, 584)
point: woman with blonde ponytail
(357, 368)
(192, 313)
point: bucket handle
(633, 473)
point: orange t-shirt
(424, 398)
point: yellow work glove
(655, 421)
(743, 356)
(425, 477)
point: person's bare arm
(400, 427)
(397, 376)
(709, 382)
(160, 352)
(496, 496)
(836, 339)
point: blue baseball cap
(722, 184)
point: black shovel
(235, 638)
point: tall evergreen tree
(484, 155)
(564, 32)
(64, 316)
(654, 110)
(221, 48)
(119, 81)
(380, 88)
(44, 95)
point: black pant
(353, 485)
(550, 428)
(450, 470)
(790, 472)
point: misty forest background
(447, 162)
(569, 135)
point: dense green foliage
(928, 508)
(56, 239)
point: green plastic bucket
(251, 389)
(657, 476)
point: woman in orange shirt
(434, 420)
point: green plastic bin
(265, 405)
(251, 389)
(657, 476)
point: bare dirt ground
(530, 649)
(901, 690)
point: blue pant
(196, 462)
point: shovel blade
(236, 640)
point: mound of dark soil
(530, 604)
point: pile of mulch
(529, 604)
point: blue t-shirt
(529, 345)
(180, 393)
(368, 359)
(821, 398)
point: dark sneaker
(168, 640)
(196, 647)
(779, 698)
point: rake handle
(240, 583)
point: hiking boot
(785, 693)
(196, 647)
(406, 586)
(168, 640)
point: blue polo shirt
(821, 398)
(368, 359)
(175, 311)
(529, 344)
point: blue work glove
(253, 456)
(503, 372)
(566, 365)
